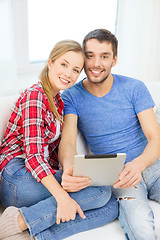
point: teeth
(63, 80)
(96, 71)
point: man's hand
(73, 184)
(130, 176)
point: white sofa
(111, 231)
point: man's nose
(97, 61)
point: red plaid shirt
(31, 127)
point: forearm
(132, 171)
(66, 206)
(150, 154)
(151, 130)
(54, 187)
(66, 154)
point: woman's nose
(68, 73)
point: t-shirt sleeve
(141, 97)
(69, 103)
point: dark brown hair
(102, 35)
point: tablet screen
(102, 169)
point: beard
(101, 80)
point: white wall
(15, 74)
(8, 75)
(138, 32)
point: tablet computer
(102, 169)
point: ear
(49, 63)
(114, 61)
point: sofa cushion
(6, 104)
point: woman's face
(65, 70)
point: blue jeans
(135, 214)
(38, 206)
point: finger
(130, 183)
(80, 212)
(73, 217)
(122, 182)
(75, 179)
(124, 172)
(75, 187)
(127, 176)
(76, 184)
(58, 220)
(68, 219)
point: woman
(29, 164)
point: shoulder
(132, 89)
(73, 91)
(127, 81)
(33, 96)
(129, 85)
(35, 93)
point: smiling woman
(64, 71)
(64, 60)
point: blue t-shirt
(110, 123)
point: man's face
(98, 60)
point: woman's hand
(73, 184)
(67, 209)
(66, 206)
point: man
(115, 114)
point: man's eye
(89, 56)
(104, 57)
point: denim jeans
(135, 214)
(38, 206)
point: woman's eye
(75, 70)
(63, 64)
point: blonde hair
(59, 49)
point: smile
(96, 72)
(64, 80)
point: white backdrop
(138, 32)
(8, 75)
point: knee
(111, 209)
(135, 216)
(113, 204)
(104, 196)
